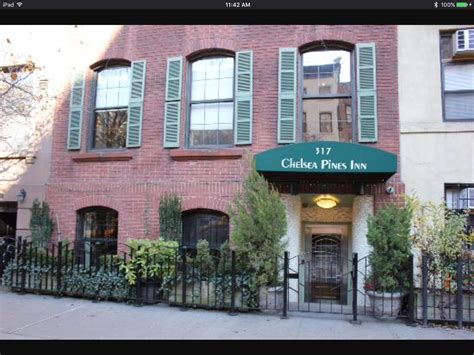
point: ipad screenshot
(255, 171)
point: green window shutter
(75, 112)
(173, 102)
(366, 92)
(243, 98)
(287, 95)
(172, 116)
(135, 104)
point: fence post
(185, 276)
(424, 295)
(59, 267)
(285, 285)
(23, 266)
(18, 249)
(459, 299)
(411, 295)
(138, 287)
(17, 260)
(355, 280)
(233, 311)
(139, 300)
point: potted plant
(259, 225)
(149, 264)
(390, 241)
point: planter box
(203, 294)
(444, 307)
(271, 298)
(149, 292)
(385, 305)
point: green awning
(333, 158)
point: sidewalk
(44, 317)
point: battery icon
(462, 4)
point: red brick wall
(133, 187)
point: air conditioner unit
(463, 41)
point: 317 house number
(238, 4)
(322, 151)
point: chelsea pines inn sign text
(327, 157)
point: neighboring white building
(27, 103)
(436, 90)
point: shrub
(440, 234)
(41, 224)
(101, 283)
(204, 261)
(170, 217)
(259, 225)
(389, 237)
(225, 261)
(36, 273)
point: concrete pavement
(45, 317)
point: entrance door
(8, 215)
(326, 267)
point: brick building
(204, 99)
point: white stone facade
(352, 220)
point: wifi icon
(19, 4)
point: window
(460, 197)
(327, 77)
(211, 120)
(458, 82)
(212, 226)
(325, 122)
(111, 108)
(348, 113)
(97, 231)
(324, 89)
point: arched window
(111, 106)
(211, 121)
(210, 225)
(97, 231)
(327, 94)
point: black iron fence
(446, 293)
(63, 270)
(327, 282)
(177, 276)
(302, 283)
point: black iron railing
(180, 277)
(446, 294)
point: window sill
(206, 154)
(101, 157)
